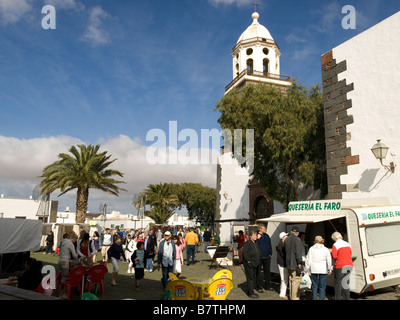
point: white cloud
(293, 38)
(12, 11)
(95, 33)
(23, 160)
(303, 54)
(66, 4)
(331, 17)
(239, 3)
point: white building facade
(361, 81)
(28, 209)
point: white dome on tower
(255, 30)
(255, 58)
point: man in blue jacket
(264, 243)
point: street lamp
(226, 196)
(380, 150)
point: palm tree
(162, 201)
(84, 169)
(161, 195)
(160, 215)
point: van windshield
(383, 239)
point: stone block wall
(336, 118)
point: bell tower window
(265, 67)
(249, 64)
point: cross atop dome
(255, 6)
(255, 14)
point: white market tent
(20, 235)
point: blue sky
(113, 70)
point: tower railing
(257, 74)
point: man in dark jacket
(49, 243)
(293, 247)
(252, 263)
(264, 243)
(207, 239)
(150, 248)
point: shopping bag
(305, 281)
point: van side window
(383, 239)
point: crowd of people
(295, 260)
(163, 248)
(138, 248)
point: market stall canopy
(306, 218)
(19, 235)
(323, 210)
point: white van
(371, 226)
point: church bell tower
(255, 58)
(241, 200)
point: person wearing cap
(294, 249)
(166, 257)
(319, 264)
(281, 260)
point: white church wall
(372, 60)
(235, 205)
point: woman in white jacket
(319, 264)
(130, 249)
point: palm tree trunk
(81, 204)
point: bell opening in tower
(249, 63)
(265, 67)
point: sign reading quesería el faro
(314, 206)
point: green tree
(86, 168)
(165, 198)
(289, 143)
(199, 200)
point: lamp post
(380, 150)
(142, 205)
(104, 214)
